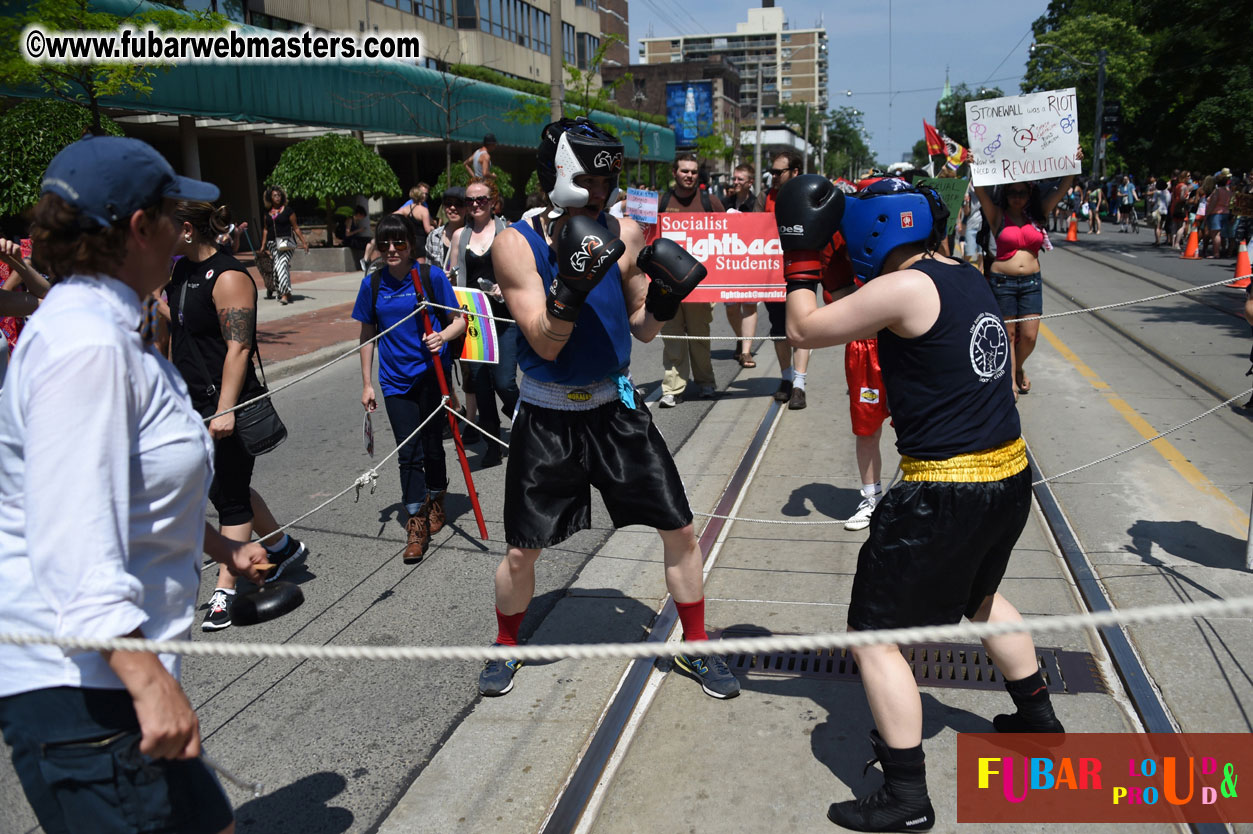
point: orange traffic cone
(1190, 251)
(1072, 233)
(1243, 273)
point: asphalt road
(337, 743)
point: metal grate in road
(952, 665)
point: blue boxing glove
(808, 210)
(674, 274)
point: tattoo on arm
(238, 325)
(553, 334)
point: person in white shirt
(104, 472)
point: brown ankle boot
(434, 509)
(419, 538)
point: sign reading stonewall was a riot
(741, 252)
(1023, 138)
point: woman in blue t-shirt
(406, 374)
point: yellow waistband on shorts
(993, 464)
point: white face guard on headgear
(577, 147)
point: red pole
(452, 421)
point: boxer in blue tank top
(940, 541)
(580, 285)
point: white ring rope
(1049, 479)
(1074, 312)
(1223, 282)
(320, 368)
(369, 478)
(732, 645)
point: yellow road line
(1173, 456)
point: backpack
(704, 199)
(446, 317)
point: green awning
(390, 96)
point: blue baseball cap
(109, 178)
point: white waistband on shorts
(567, 397)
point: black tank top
(280, 224)
(194, 321)
(947, 388)
(480, 266)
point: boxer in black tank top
(939, 542)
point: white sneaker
(860, 520)
(668, 401)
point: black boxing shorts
(938, 548)
(556, 457)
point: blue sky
(978, 40)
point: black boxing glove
(674, 274)
(808, 210)
(585, 254)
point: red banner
(740, 251)
(1128, 778)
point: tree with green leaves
(31, 134)
(717, 147)
(460, 176)
(1074, 63)
(583, 92)
(1179, 69)
(84, 85)
(847, 153)
(330, 167)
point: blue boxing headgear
(887, 214)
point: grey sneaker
(497, 676)
(712, 672)
(860, 520)
(668, 401)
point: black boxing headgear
(572, 147)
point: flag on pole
(480, 343)
(956, 154)
(935, 143)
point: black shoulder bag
(257, 425)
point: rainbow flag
(480, 331)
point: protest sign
(480, 343)
(740, 251)
(641, 206)
(952, 191)
(1023, 138)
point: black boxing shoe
(901, 804)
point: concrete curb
(299, 364)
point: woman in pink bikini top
(1018, 215)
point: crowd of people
(150, 324)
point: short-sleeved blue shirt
(402, 356)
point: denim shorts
(1018, 295)
(76, 753)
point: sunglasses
(398, 245)
(454, 204)
(478, 201)
(778, 172)
(1016, 193)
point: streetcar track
(1196, 379)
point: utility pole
(556, 63)
(805, 166)
(761, 179)
(1098, 134)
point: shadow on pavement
(841, 742)
(298, 808)
(832, 501)
(1186, 540)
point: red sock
(692, 615)
(507, 626)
